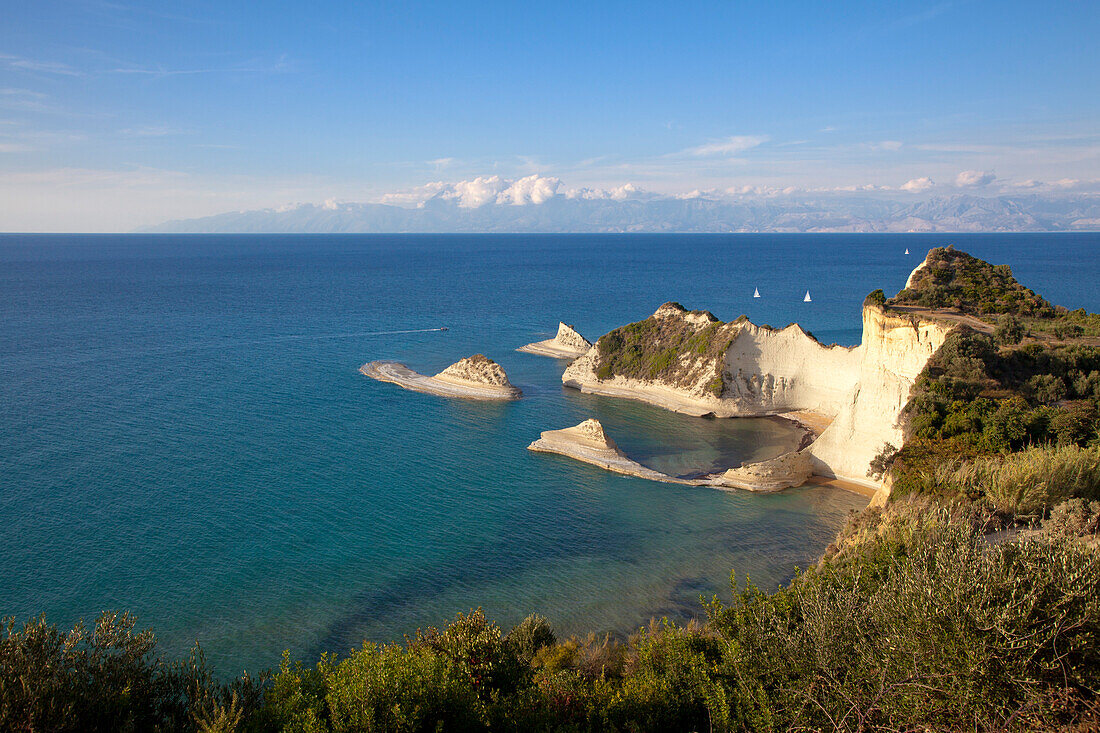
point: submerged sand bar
(444, 384)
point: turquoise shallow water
(184, 433)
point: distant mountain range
(644, 212)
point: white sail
(807, 298)
(906, 250)
(756, 293)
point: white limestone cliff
(893, 352)
(767, 371)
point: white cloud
(473, 194)
(478, 192)
(533, 189)
(728, 146)
(973, 179)
(918, 185)
(48, 67)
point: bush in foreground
(921, 622)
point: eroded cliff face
(893, 352)
(766, 371)
(734, 369)
(772, 371)
(567, 337)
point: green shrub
(876, 298)
(925, 627)
(1047, 388)
(1009, 330)
(109, 679)
(528, 637)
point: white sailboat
(756, 293)
(807, 298)
(906, 250)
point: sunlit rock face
(699, 365)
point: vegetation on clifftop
(951, 278)
(991, 404)
(671, 349)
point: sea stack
(476, 377)
(567, 344)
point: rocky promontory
(567, 344)
(589, 443)
(476, 377)
(691, 362)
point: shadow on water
(478, 564)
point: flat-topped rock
(567, 344)
(476, 377)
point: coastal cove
(190, 427)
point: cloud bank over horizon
(974, 201)
(120, 115)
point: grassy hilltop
(971, 600)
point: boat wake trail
(357, 334)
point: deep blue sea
(184, 433)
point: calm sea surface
(184, 434)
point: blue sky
(116, 114)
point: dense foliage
(951, 278)
(656, 347)
(926, 625)
(977, 399)
(109, 679)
